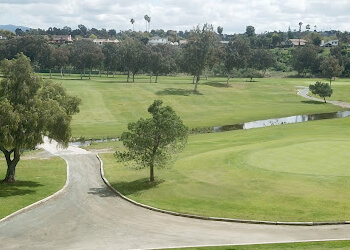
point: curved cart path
(90, 216)
(304, 92)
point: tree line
(204, 54)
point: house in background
(295, 42)
(158, 40)
(329, 44)
(103, 41)
(61, 39)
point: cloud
(232, 15)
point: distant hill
(13, 28)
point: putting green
(309, 158)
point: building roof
(295, 42)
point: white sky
(232, 15)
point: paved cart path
(90, 216)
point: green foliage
(31, 108)
(331, 68)
(236, 56)
(303, 59)
(199, 52)
(152, 142)
(321, 89)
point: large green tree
(236, 56)
(198, 52)
(30, 109)
(85, 54)
(331, 68)
(152, 142)
(303, 59)
(132, 55)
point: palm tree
(300, 31)
(132, 20)
(308, 27)
(148, 20)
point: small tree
(331, 68)
(152, 142)
(321, 89)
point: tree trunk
(61, 72)
(50, 73)
(195, 86)
(324, 98)
(150, 77)
(90, 74)
(127, 78)
(11, 163)
(151, 173)
(156, 78)
(133, 77)
(228, 79)
(81, 75)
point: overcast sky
(232, 15)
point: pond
(280, 121)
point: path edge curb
(282, 223)
(42, 201)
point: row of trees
(203, 54)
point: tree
(220, 30)
(303, 59)
(30, 109)
(321, 89)
(261, 59)
(112, 58)
(250, 31)
(160, 60)
(331, 68)
(152, 142)
(148, 20)
(132, 21)
(132, 54)
(85, 54)
(236, 56)
(198, 52)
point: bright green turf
(294, 172)
(110, 103)
(285, 246)
(36, 179)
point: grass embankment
(286, 246)
(234, 174)
(109, 104)
(36, 179)
(294, 172)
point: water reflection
(280, 121)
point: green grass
(36, 179)
(284, 246)
(294, 172)
(109, 104)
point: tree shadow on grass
(175, 91)
(127, 188)
(312, 102)
(217, 84)
(18, 188)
